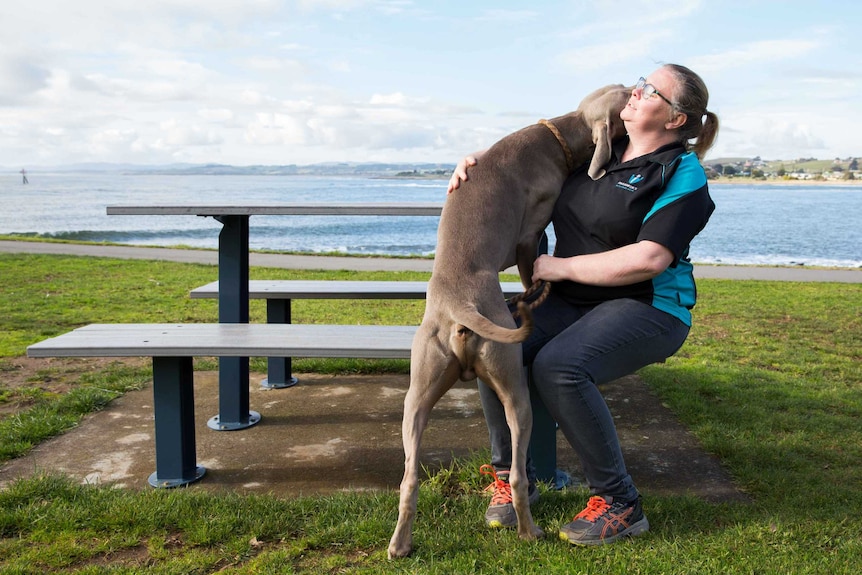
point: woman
(622, 292)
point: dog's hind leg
(520, 423)
(505, 375)
(433, 371)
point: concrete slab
(343, 433)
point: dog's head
(601, 112)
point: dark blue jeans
(571, 350)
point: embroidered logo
(630, 185)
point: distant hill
(738, 165)
(321, 169)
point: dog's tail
(477, 323)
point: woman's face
(652, 113)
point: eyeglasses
(648, 90)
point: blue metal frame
(234, 412)
(174, 408)
(278, 369)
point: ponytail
(701, 127)
(707, 135)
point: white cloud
(783, 136)
(386, 6)
(507, 16)
(216, 115)
(331, 4)
(396, 99)
(774, 134)
(273, 64)
(20, 78)
(106, 140)
(177, 134)
(754, 54)
(333, 80)
(606, 41)
(600, 56)
(274, 129)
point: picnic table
(233, 275)
(172, 347)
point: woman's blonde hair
(701, 126)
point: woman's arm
(627, 265)
(460, 173)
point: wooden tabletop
(286, 209)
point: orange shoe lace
(502, 490)
(596, 507)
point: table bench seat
(279, 294)
(229, 340)
(336, 289)
(173, 348)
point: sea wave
(777, 260)
(752, 225)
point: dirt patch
(24, 380)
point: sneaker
(604, 521)
(501, 511)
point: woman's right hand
(460, 173)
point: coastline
(721, 181)
(316, 262)
(742, 181)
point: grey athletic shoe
(501, 511)
(604, 521)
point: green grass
(50, 413)
(769, 381)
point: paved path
(392, 264)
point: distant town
(806, 169)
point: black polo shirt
(662, 197)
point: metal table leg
(234, 410)
(174, 408)
(278, 369)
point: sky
(269, 82)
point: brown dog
(494, 221)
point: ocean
(795, 225)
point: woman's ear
(678, 121)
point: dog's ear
(602, 154)
(603, 116)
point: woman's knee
(553, 367)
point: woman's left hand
(549, 268)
